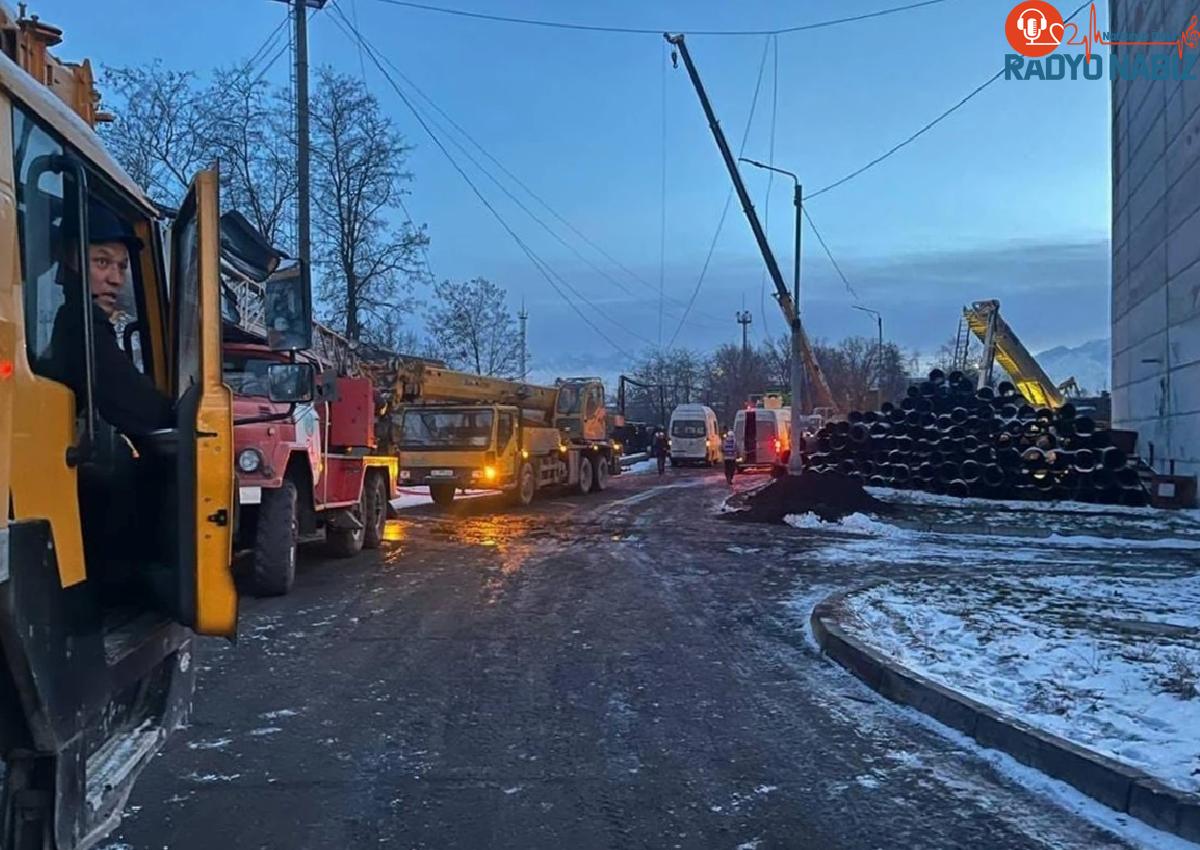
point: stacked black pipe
(947, 437)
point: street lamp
(878, 352)
(798, 200)
(795, 465)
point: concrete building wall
(1156, 248)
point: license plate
(441, 473)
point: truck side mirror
(291, 382)
(287, 310)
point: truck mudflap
(90, 706)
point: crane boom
(822, 397)
(1001, 343)
(422, 382)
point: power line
(267, 42)
(566, 25)
(287, 45)
(829, 254)
(537, 198)
(533, 258)
(662, 221)
(762, 286)
(712, 246)
(362, 71)
(925, 129)
(542, 202)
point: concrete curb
(1117, 785)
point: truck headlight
(249, 460)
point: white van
(764, 437)
(695, 437)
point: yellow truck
(115, 548)
(456, 431)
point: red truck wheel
(275, 541)
(374, 509)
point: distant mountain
(1090, 364)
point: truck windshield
(247, 376)
(463, 429)
(688, 428)
(569, 397)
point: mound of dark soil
(827, 494)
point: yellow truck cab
(115, 548)
(455, 431)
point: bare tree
(672, 377)
(857, 376)
(358, 177)
(161, 132)
(251, 135)
(471, 327)
(777, 352)
(733, 375)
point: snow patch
(283, 712)
(218, 744)
(1109, 662)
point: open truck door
(110, 558)
(206, 596)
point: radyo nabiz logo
(1036, 30)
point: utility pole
(744, 319)
(800, 402)
(303, 171)
(523, 316)
(878, 352)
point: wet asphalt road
(616, 671)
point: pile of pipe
(947, 437)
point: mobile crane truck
(114, 549)
(456, 431)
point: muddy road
(617, 671)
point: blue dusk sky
(1008, 198)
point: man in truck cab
(125, 398)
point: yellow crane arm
(1001, 343)
(26, 40)
(421, 382)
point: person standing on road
(660, 448)
(729, 453)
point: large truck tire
(346, 542)
(375, 509)
(600, 475)
(586, 475)
(276, 540)
(442, 495)
(522, 495)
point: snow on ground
(641, 467)
(1112, 663)
(1040, 517)
(859, 539)
(417, 497)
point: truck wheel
(584, 484)
(522, 495)
(348, 542)
(275, 541)
(442, 495)
(375, 509)
(600, 479)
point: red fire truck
(303, 469)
